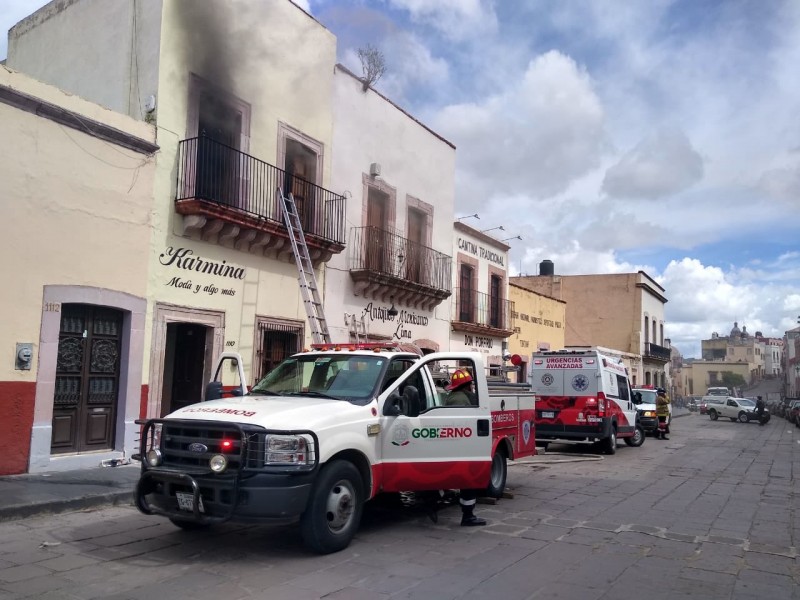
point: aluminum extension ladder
(305, 271)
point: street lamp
(500, 227)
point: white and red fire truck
(584, 396)
(325, 431)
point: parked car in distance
(736, 409)
(793, 412)
(693, 403)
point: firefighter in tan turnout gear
(462, 394)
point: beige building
(623, 312)
(539, 323)
(699, 375)
(77, 196)
(241, 110)
(740, 347)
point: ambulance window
(622, 385)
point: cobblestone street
(711, 513)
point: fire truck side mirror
(214, 390)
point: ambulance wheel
(497, 481)
(334, 509)
(609, 445)
(637, 439)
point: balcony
(384, 265)
(655, 352)
(231, 198)
(479, 313)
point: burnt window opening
(301, 179)
(219, 129)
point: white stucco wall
(415, 162)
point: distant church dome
(735, 331)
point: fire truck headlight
(154, 457)
(218, 463)
(286, 450)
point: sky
(612, 136)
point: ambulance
(584, 395)
(327, 430)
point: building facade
(394, 281)
(242, 113)
(623, 312)
(539, 323)
(481, 311)
(76, 215)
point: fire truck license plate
(185, 502)
(548, 414)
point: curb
(24, 511)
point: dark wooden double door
(87, 379)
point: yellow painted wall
(74, 210)
(539, 320)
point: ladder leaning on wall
(305, 271)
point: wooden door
(376, 238)
(189, 365)
(87, 379)
(465, 301)
(415, 252)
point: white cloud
(536, 136)
(662, 164)
(455, 19)
(782, 184)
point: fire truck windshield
(339, 377)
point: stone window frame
(427, 210)
(376, 183)
(165, 314)
(474, 263)
(287, 132)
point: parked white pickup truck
(324, 432)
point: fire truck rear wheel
(497, 480)
(334, 510)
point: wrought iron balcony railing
(214, 172)
(481, 309)
(657, 352)
(388, 254)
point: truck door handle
(483, 427)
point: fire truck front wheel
(333, 513)
(499, 473)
